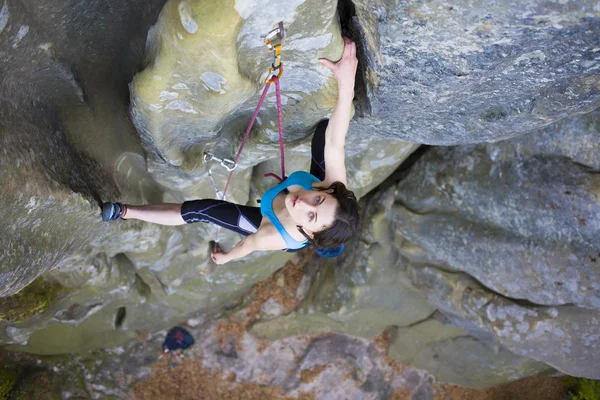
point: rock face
(206, 75)
(484, 253)
(537, 208)
(63, 121)
(473, 71)
(324, 367)
(532, 238)
(77, 148)
(479, 255)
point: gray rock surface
(448, 73)
(374, 289)
(68, 144)
(96, 106)
(459, 358)
(329, 366)
(565, 337)
(63, 121)
(521, 217)
(500, 240)
(523, 222)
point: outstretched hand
(344, 70)
(219, 256)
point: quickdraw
(276, 66)
(275, 72)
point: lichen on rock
(8, 377)
(33, 299)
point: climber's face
(313, 210)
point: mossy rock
(8, 378)
(33, 299)
(36, 385)
(583, 389)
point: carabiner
(274, 73)
(277, 32)
(229, 165)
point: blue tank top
(300, 178)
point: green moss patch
(583, 389)
(34, 298)
(8, 377)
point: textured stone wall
(199, 70)
(472, 71)
(484, 258)
(488, 250)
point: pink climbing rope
(280, 123)
(275, 72)
(281, 177)
(247, 134)
(237, 157)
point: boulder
(69, 144)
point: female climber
(314, 208)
